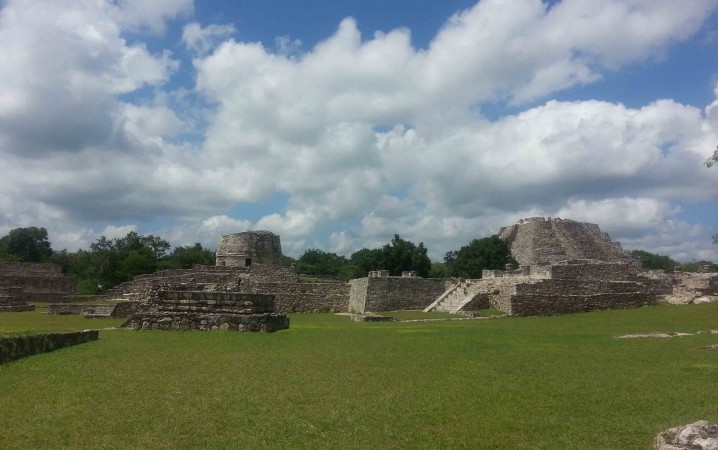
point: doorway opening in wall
(247, 262)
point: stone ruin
(183, 310)
(244, 249)
(21, 283)
(565, 266)
(541, 241)
(211, 298)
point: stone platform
(11, 300)
(209, 311)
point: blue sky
(339, 124)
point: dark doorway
(247, 262)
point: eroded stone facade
(209, 311)
(21, 283)
(247, 248)
(540, 241)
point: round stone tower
(244, 249)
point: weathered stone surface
(179, 321)
(700, 435)
(292, 296)
(691, 287)
(208, 311)
(393, 293)
(15, 347)
(21, 283)
(119, 310)
(537, 241)
(250, 247)
(564, 287)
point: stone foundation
(167, 321)
(208, 311)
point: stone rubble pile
(700, 435)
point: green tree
(26, 244)
(138, 262)
(401, 255)
(186, 257)
(318, 262)
(365, 260)
(653, 261)
(489, 253)
(439, 270)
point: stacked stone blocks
(209, 311)
(21, 283)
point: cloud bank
(366, 135)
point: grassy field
(525, 383)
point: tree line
(109, 262)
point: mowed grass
(327, 382)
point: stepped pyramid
(541, 241)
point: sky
(339, 124)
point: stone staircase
(455, 298)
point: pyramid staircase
(456, 297)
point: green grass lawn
(528, 383)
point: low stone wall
(394, 293)
(15, 347)
(93, 311)
(538, 305)
(176, 321)
(273, 274)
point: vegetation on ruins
(653, 261)
(327, 382)
(489, 253)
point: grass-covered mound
(327, 382)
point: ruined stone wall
(540, 241)
(15, 347)
(209, 311)
(274, 274)
(303, 297)
(293, 296)
(119, 310)
(395, 293)
(40, 282)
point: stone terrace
(21, 283)
(209, 311)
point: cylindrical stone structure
(244, 249)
